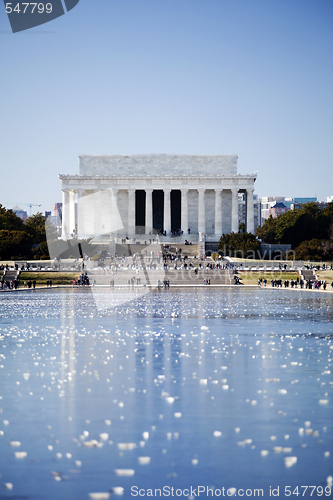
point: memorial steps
(308, 275)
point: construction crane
(32, 205)
(28, 205)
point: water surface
(217, 387)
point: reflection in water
(216, 387)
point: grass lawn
(325, 275)
(56, 277)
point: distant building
(268, 202)
(277, 209)
(329, 199)
(242, 210)
(47, 214)
(22, 214)
(57, 211)
(302, 201)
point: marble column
(97, 213)
(149, 211)
(131, 211)
(218, 213)
(234, 211)
(201, 211)
(115, 222)
(249, 211)
(72, 212)
(80, 214)
(167, 211)
(65, 231)
(184, 211)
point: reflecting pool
(206, 392)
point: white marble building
(134, 194)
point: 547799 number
(29, 8)
(308, 491)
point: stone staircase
(308, 274)
(10, 275)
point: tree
(327, 245)
(267, 233)
(295, 226)
(41, 252)
(35, 225)
(243, 245)
(15, 245)
(310, 250)
(10, 221)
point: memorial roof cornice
(155, 177)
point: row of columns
(68, 214)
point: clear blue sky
(246, 77)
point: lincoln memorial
(183, 196)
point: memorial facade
(180, 196)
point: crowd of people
(298, 283)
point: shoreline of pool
(172, 287)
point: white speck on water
(170, 399)
(104, 436)
(217, 433)
(289, 461)
(264, 453)
(91, 444)
(8, 486)
(14, 443)
(323, 401)
(273, 438)
(307, 423)
(144, 460)
(237, 429)
(327, 454)
(177, 414)
(107, 422)
(117, 490)
(194, 461)
(282, 391)
(78, 463)
(99, 496)
(145, 435)
(20, 454)
(126, 446)
(203, 381)
(124, 472)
